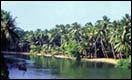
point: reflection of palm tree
(22, 67)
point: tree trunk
(4, 70)
(95, 53)
(120, 55)
(78, 58)
(113, 51)
(102, 47)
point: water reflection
(66, 68)
(55, 68)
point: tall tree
(8, 35)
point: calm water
(55, 68)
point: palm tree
(124, 46)
(8, 29)
(119, 37)
(111, 42)
(8, 35)
(101, 37)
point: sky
(32, 15)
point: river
(55, 68)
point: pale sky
(46, 14)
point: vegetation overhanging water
(104, 39)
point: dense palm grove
(102, 39)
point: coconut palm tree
(8, 35)
(123, 44)
(101, 37)
(8, 29)
(119, 37)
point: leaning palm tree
(101, 37)
(111, 41)
(124, 46)
(8, 35)
(8, 29)
(120, 38)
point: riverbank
(105, 60)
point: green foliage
(73, 39)
(44, 49)
(9, 37)
(71, 47)
(124, 63)
(35, 49)
(76, 39)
